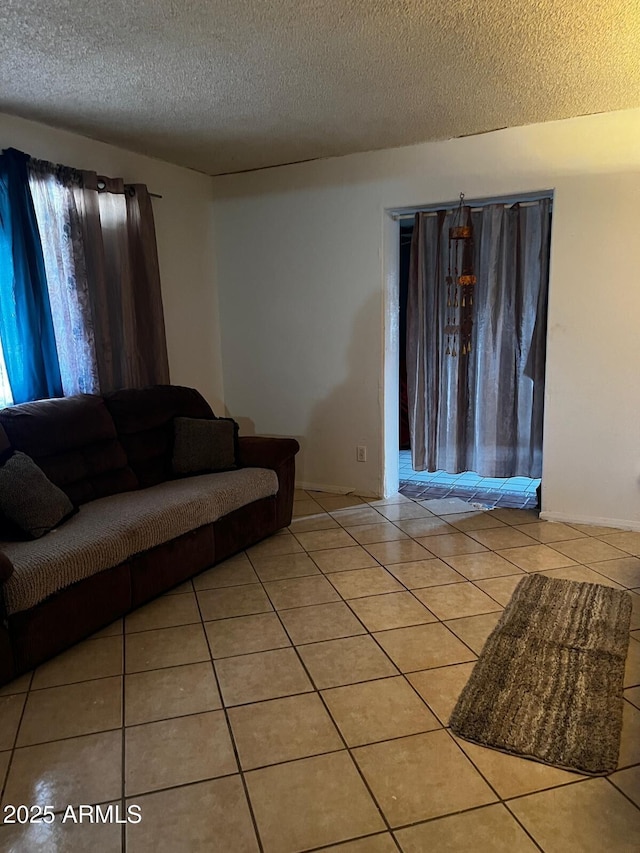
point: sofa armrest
(257, 451)
(6, 567)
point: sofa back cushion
(74, 441)
(144, 421)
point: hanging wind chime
(460, 282)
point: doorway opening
(440, 481)
(489, 492)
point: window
(80, 298)
(6, 398)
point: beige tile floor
(296, 698)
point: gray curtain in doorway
(481, 412)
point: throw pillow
(202, 445)
(29, 501)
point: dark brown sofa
(111, 452)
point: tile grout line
(13, 748)
(318, 692)
(501, 800)
(619, 790)
(356, 838)
(231, 734)
(123, 744)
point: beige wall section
(185, 243)
(302, 272)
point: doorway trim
(390, 390)
(390, 354)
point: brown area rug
(548, 683)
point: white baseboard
(620, 523)
(336, 490)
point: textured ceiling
(228, 85)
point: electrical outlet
(361, 453)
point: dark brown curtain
(153, 364)
(124, 283)
(482, 412)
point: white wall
(303, 255)
(184, 236)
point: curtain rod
(475, 204)
(102, 185)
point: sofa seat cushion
(110, 530)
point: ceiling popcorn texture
(229, 85)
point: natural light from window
(6, 398)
